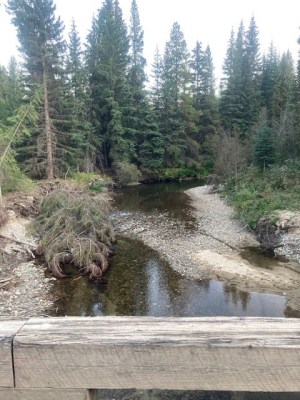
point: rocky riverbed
(212, 248)
(24, 287)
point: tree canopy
(99, 109)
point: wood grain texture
(252, 354)
(40, 394)
(8, 330)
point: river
(140, 283)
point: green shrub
(127, 173)
(256, 193)
(94, 182)
(181, 172)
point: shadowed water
(140, 283)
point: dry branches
(75, 229)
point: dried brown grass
(75, 229)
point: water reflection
(140, 283)
(159, 198)
(196, 395)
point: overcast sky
(208, 21)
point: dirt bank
(24, 288)
(212, 250)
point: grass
(89, 181)
(256, 194)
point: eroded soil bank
(213, 249)
(24, 286)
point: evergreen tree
(197, 67)
(268, 81)
(264, 151)
(40, 34)
(11, 92)
(108, 60)
(138, 62)
(284, 86)
(157, 77)
(176, 99)
(283, 108)
(296, 113)
(79, 102)
(240, 94)
(204, 99)
(227, 90)
(251, 75)
(149, 143)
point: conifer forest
(91, 108)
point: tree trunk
(48, 132)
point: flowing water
(140, 283)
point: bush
(127, 173)
(181, 172)
(256, 193)
(94, 182)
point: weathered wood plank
(43, 394)
(253, 354)
(8, 330)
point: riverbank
(24, 286)
(212, 248)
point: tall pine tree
(149, 143)
(40, 34)
(178, 115)
(79, 103)
(108, 53)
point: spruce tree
(108, 60)
(269, 78)
(148, 139)
(296, 112)
(176, 98)
(15, 91)
(240, 94)
(138, 62)
(197, 71)
(11, 92)
(40, 34)
(157, 79)
(264, 151)
(227, 90)
(204, 99)
(251, 76)
(284, 108)
(79, 103)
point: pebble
(27, 296)
(177, 242)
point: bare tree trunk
(48, 132)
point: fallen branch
(33, 246)
(27, 246)
(219, 240)
(5, 282)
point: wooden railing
(63, 358)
